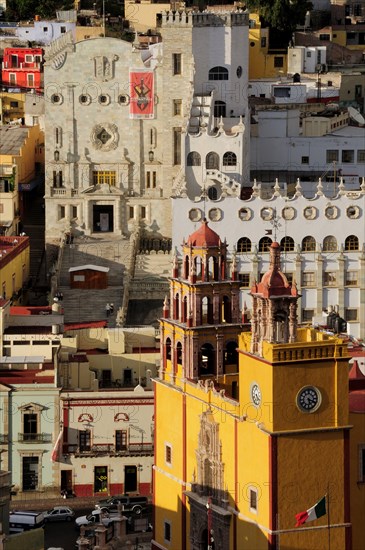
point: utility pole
(104, 18)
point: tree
(283, 15)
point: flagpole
(328, 517)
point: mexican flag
(317, 511)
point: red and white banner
(56, 449)
(141, 88)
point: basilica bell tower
(202, 318)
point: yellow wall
(261, 62)
(23, 164)
(310, 451)
(14, 267)
(341, 39)
(142, 16)
(357, 495)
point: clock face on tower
(255, 394)
(309, 399)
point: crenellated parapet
(184, 18)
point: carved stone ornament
(104, 67)
(59, 60)
(105, 137)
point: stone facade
(106, 171)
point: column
(319, 284)
(298, 280)
(118, 217)
(87, 204)
(341, 285)
(362, 295)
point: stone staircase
(153, 266)
(151, 276)
(89, 304)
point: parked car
(135, 504)
(96, 516)
(24, 520)
(59, 513)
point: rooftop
(12, 139)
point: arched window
(229, 159)
(212, 274)
(212, 161)
(179, 353)
(329, 244)
(218, 73)
(244, 245)
(226, 310)
(287, 244)
(177, 307)
(352, 243)
(193, 159)
(308, 244)
(219, 109)
(213, 193)
(184, 312)
(207, 311)
(168, 349)
(264, 244)
(207, 360)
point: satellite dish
(356, 116)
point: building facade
(102, 177)
(21, 163)
(322, 239)
(247, 450)
(107, 442)
(23, 68)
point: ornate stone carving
(104, 67)
(105, 137)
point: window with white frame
(308, 278)
(361, 155)
(329, 278)
(351, 314)
(331, 155)
(351, 278)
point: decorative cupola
(274, 308)
(175, 266)
(205, 251)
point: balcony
(102, 449)
(33, 66)
(35, 438)
(4, 439)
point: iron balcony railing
(133, 449)
(35, 438)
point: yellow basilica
(252, 422)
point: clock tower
(295, 384)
